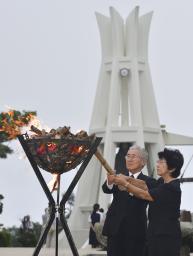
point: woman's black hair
(174, 160)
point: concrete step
(49, 252)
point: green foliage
(18, 237)
(5, 238)
(37, 228)
(26, 238)
(4, 150)
(1, 204)
(12, 121)
(10, 124)
(1, 207)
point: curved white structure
(124, 108)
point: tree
(1, 204)
(4, 150)
(26, 235)
(5, 238)
(11, 123)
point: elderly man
(126, 221)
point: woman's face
(162, 167)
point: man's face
(134, 162)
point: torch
(104, 163)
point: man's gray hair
(142, 152)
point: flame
(35, 122)
(77, 149)
(39, 124)
(10, 113)
(42, 148)
(79, 130)
(11, 123)
(51, 147)
(53, 183)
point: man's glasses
(131, 157)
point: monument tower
(124, 110)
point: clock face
(124, 72)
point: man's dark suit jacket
(127, 208)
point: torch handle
(104, 162)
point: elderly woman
(164, 235)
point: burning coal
(59, 150)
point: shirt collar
(135, 174)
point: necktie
(132, 176)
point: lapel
(141, 176)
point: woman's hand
(121, 188)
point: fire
(77, 149)
(11, 123)
(43, 148)
(53, 183)
(38, 124)
(51, 147)
(59, 150)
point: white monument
(124, 109)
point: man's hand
(120, 180)
(110, 178)
(124, 176)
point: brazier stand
(57, 207)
